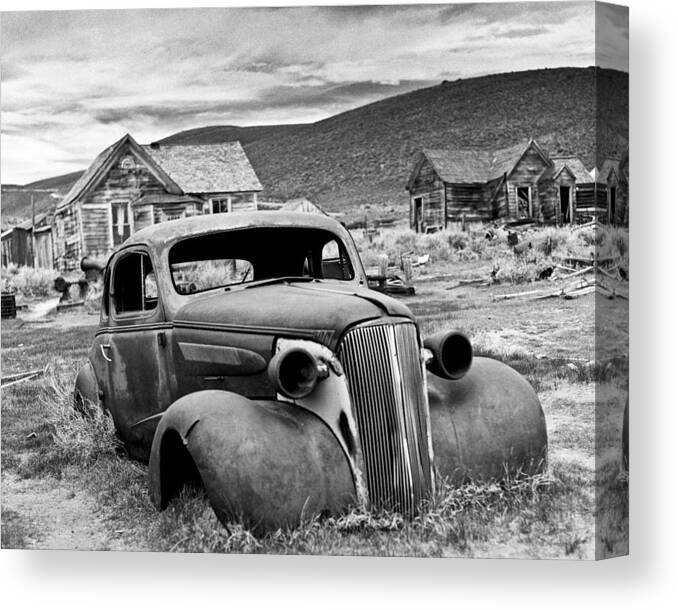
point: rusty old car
(246, 352)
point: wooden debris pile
(587, 279)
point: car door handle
(104, 347)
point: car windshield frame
(296, 251)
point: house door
(418, 219)
(565, 204)
(613, 204)
(524, 197)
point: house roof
(575, 165)
(103, 161)
(210, 168)
(474, 165)
(463, 166)
(609, 165)
(165, 198)
(27, 225)
(86, 178)
(504, 160)
(206, 168)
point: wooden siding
(16, 248)
(497, 195)
(143, 216)
(591, 200)
(67, 247)
(43, 250)
(467, 202)
(96, 229)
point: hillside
(363, 156)
(228, 133)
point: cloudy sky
(72, 82)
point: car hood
(318, 310)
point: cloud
(526, 32)
(74, 81)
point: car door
(134, 351)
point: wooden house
(29, 245)
(129, 186)
(476, 185)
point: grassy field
(65, 483)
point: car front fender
(487, 424)
(265, 462)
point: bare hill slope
(363, 156)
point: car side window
(134, 287)
(335, 262)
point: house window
(121, 222)
(220, 205)
(175, 215)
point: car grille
(387, 391)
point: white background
(647, 579)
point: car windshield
(228, 258)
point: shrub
(30, 282)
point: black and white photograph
(317, 280)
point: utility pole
(33, 229)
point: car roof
(168, 232)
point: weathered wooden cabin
(522, 181)
(129, 187)
(476, 185)
(18, 243)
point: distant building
(302, 204)
(455, 185)
(518, 182)
(17, 243)
(129, 186)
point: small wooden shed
(18, 241)
(564, 189)
(129, 187)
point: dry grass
(492, 258)
(553, 515)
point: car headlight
(294, 372)
(451, 354)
